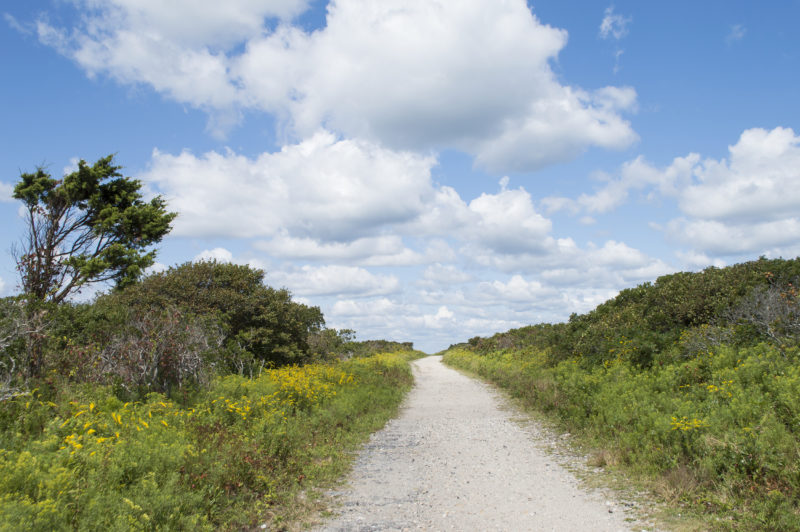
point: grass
(714, 436)
(243, 453)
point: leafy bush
(260, 325)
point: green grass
(243, 453)
(715, 435)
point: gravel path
(455, 460)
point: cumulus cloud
(341, 200)
(472, 75)
(507, 222)
(758, 183)
(743, 205)
(179, 48)
(516, 289)
(563, 263)
(748, 204)
(321, 188)
(336, 280)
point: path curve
(455, 460)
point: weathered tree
(91, 226)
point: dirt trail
(455, 460)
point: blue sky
(421, 170)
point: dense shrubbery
(693, 380)
(195, 398)
(235, 455)
(260, 325)
(650, 318)
(173, 329)
(180, 403)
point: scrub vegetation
(690, 384)
(198, 398)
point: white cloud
(693, 260)
(411, 74)
(335, 280)
(372, 251)
(322, 188)
(559, 128)
(216, 254)
(618, 255)
(6, 192)
(439, 274)
(156, 267)
(443, 317)
(635, 175)
(15, 24)
(758, 184)
(614, 25)
(517, 289)
(742, 206)
(341, 201)
(180, 48)
(507, 222)
(373, 308)
(2, 287)
(746, 205)
(730, 239)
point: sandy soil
(455, 459)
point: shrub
(260, 325)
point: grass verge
(245, 452)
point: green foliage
(692, 382)
(650, 318)
(720, 432)
(260, 325)
(90, 226)
(238, 455)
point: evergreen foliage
(91, 226)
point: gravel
(457, 459)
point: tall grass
(716, 433)
(231, 457)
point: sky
(423, 170)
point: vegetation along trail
(455, 460)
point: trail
(455, 460)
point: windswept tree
(91, 226)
